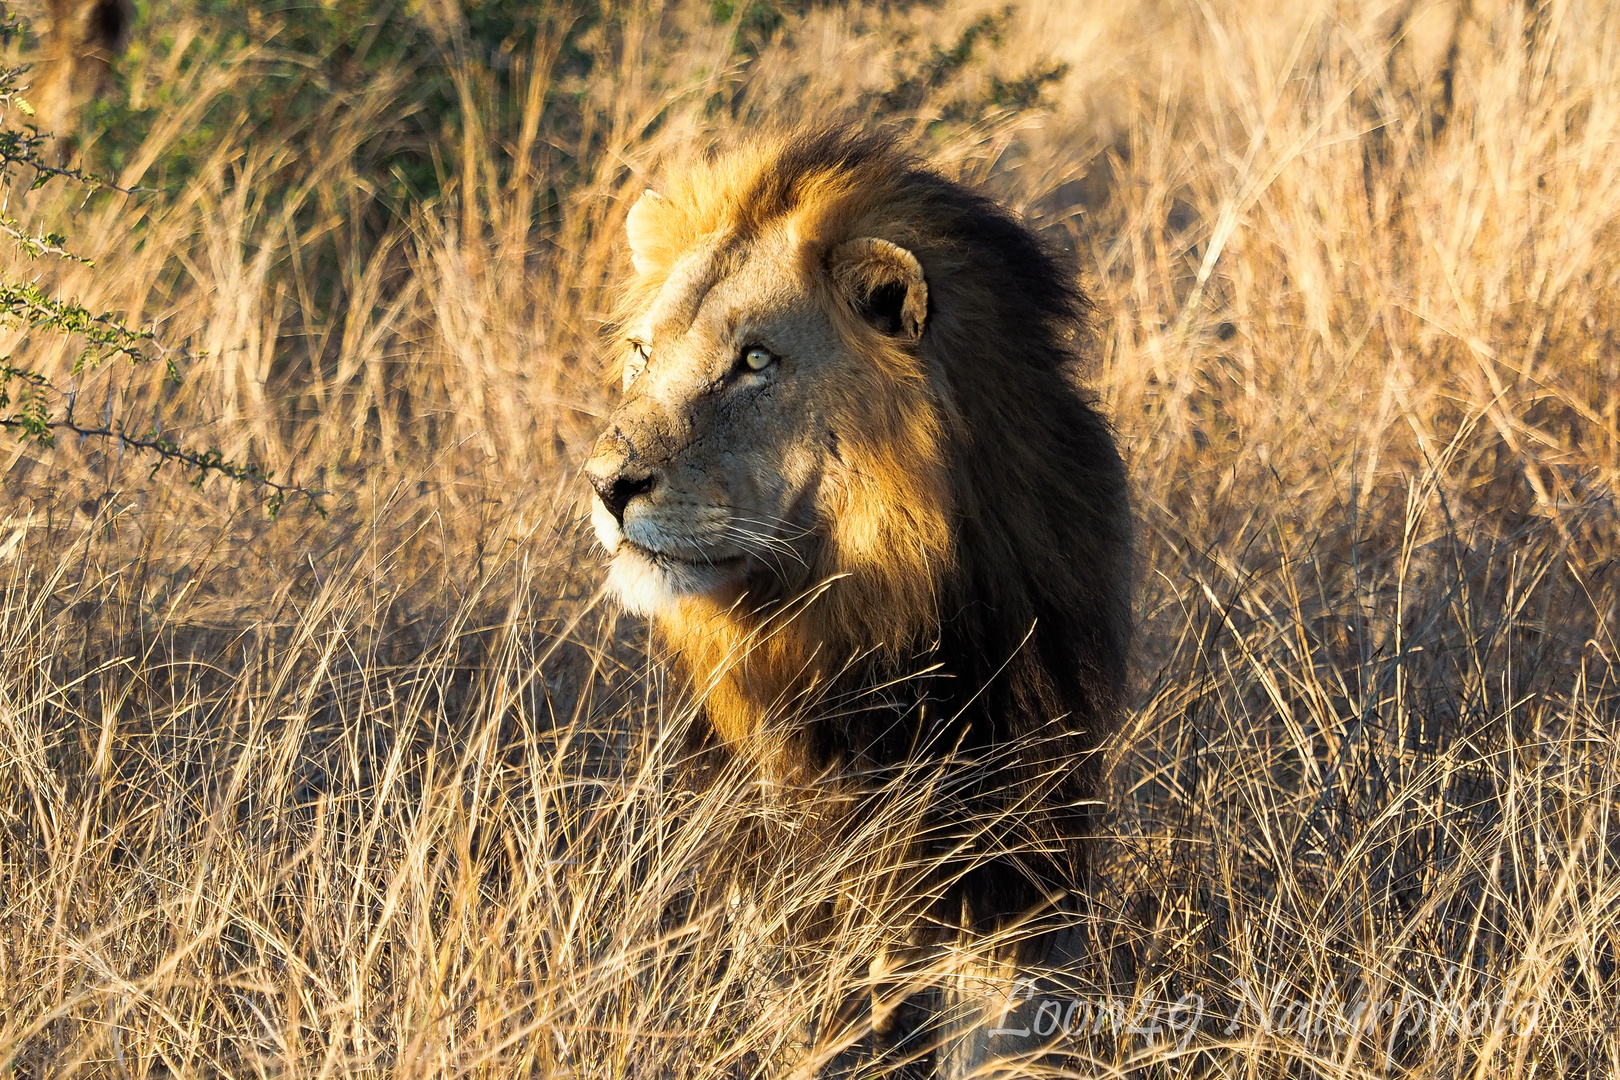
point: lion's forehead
(722, 283)
(675, 307)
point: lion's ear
(884, 282)
(639, 229)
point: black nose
(618, 488)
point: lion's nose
(617, 487)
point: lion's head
(850, 440)
(778, 427)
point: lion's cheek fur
(884, 511)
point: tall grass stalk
(395, 791)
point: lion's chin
(646, 584)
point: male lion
(852, 457)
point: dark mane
(1034, 617)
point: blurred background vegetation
(385, 791)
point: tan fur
(890, 501)
(851, 464)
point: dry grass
(389, 792)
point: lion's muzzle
(667, 542)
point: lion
(852, 453)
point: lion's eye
(640, 353)
(756, 358)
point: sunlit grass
(397, 791)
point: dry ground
(386, 792)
